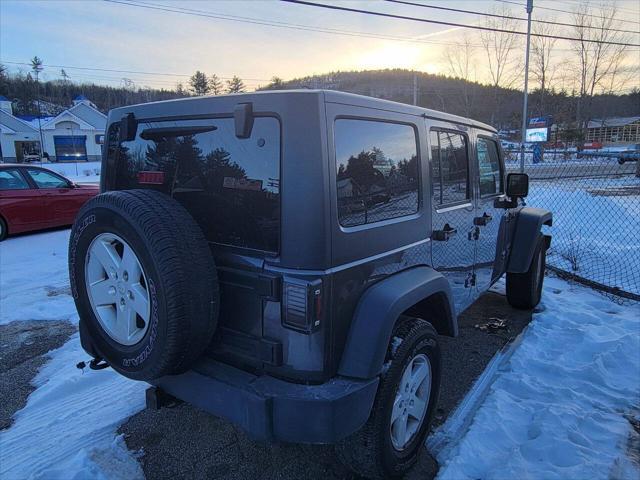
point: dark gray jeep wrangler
(287, 260)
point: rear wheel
(3, 229)
(388, 444)
(524, 290)
(144, 283)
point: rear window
(231, 186)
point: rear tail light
(302, 305)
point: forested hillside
(498, 106)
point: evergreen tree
(215, 85)
(4, 81)
(199, 84)
(276, 83)
(235, 85)
(36, 66)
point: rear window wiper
(167, 132)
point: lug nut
(130, 295)
(112, 290)
(125, 276)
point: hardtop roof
(330, 96)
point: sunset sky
(115, 36)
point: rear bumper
(272, 409)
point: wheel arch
(527, 230)
(419, 291)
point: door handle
(444, 234)
(483, 220)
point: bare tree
(598, 65)
(541, 54)
(502, 53)
(460, 63)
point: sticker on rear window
(242, 184)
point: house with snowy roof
(76, 134)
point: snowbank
(79, 172)
(34, 281)
(68, 428)
(557, 407)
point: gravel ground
(23, 350)
(183, 442)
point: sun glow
(390, 56)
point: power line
(449, 24)
(574, 3)
(563, 11)
(495, 15)
(286, 25)
(277, 24)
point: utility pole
(526, 86)
(36, 66)
(415, 88)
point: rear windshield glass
(231, 186)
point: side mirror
(128, 128)
(517, 185)
(243, 119)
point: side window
(46, 179)
(450, 167)
(377, 171)
(489, 167)
(12, 180)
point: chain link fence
(595, 200)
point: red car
(34, 198)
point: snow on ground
(78, 172)
(596, 227)
(34, 281)
(67, 430)
(556, 408)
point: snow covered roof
(90, 115)
(612, 122)
(67, 116)
(12, 124)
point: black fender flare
(529, 222)
(378, 310)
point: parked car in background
(34, 198)
(30, 157)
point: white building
(76, 134)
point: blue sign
(540, 122)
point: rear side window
(12, 180)
(231, 186)
(489, 167)
(377, 171)
(450, 167)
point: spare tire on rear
(144, 283)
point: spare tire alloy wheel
(144, 283)
(117, 288)
(411, 402)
